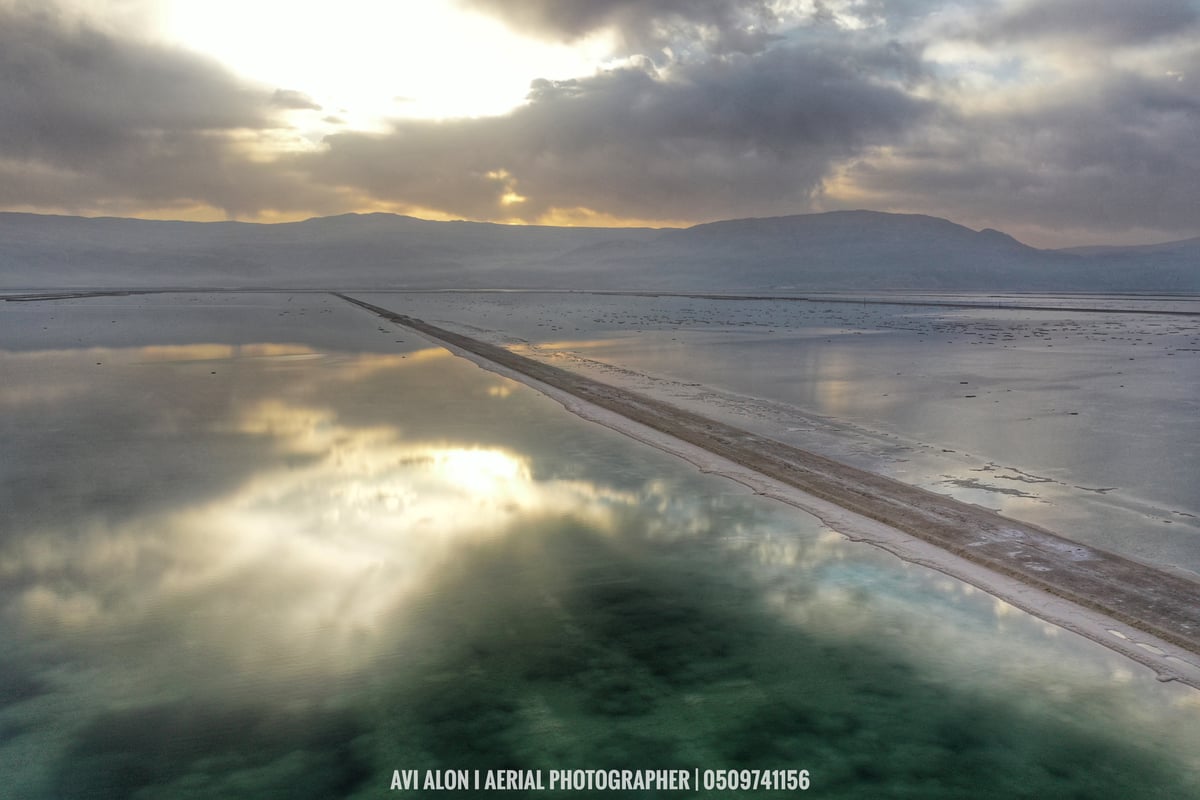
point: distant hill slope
(836, 250)
(1182, 247)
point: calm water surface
(1079, 421)
(264, 546)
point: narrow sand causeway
(1148, 614)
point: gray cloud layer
(87, 118)
(1088, 116)
(1104, 21)
(1128, 155)
(731, 135)
(719, 25)
(1112, 143)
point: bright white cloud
(364, 61)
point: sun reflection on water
(323, 539)
(320, 557)
(349, 517)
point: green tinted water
(233, 566)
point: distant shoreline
(899, 298)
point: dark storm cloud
(722, 25)
(86, 116)
(726, 135)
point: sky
(1061, 122)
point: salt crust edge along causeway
(1081, 608)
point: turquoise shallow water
(253, 546)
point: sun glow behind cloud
(1063, 123)
(368, 61)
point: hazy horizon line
(614, 227)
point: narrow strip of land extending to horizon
(1040, 568)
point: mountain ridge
(851, 249)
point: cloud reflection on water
(299, 506)
(218, 533)
(315, 546)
